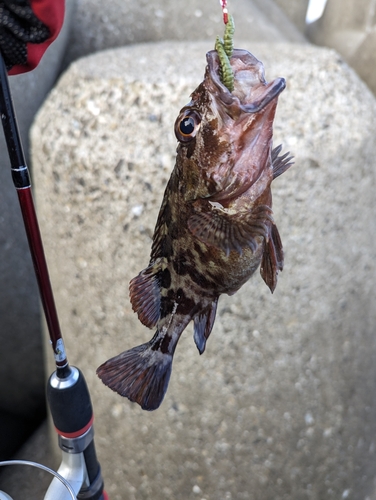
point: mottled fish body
(215, 225)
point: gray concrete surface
(22, 381)
(296, 11)
(125, 22)
(281, 405)
(349, 26)
(22, 388)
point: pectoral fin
(272, 259)
(230, 232)
(145, 295)
(203, 324)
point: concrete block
(363, 59)
(349, 27)
(281, 405)
(124, 22)
(295, 10)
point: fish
(215, 225)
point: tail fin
(141, 374)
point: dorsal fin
(145, 296)
(230, 232)
(203, 324)
(272, 258)
(280, 163)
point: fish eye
(187, 125)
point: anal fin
(203, 324)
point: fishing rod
(67, 392)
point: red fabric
(51, 13)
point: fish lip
(264, 92)
(274, 88)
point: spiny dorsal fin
(203, 324)
(272, 258)
(230, 232)
(280, 163)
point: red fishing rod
(21, 181)
(67, 392)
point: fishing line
(223, 4)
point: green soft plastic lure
(224, 49)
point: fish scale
(215, 226)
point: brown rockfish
(215, 225)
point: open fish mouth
(251, 92)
